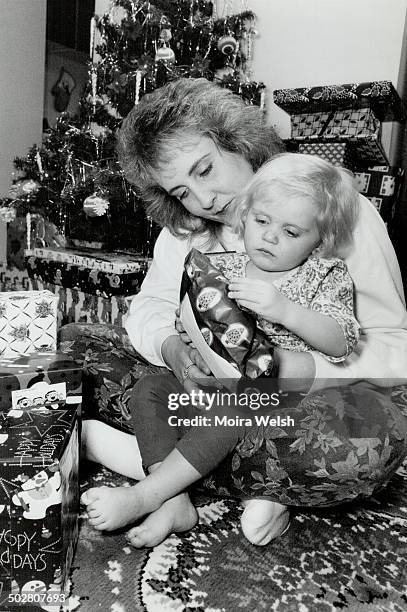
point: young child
(296, 218)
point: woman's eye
(183, 195)
(206, 170)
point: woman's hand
(261, 297)
(181, 359)
(180, 329)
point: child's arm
(320, 331)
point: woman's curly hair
(161, 121)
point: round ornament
(227, 45)
(95, 206)
(165, 54)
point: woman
(190, 148)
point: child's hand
(259, 296)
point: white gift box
(28, 322)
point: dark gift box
(39, 505)
(229, 331)
(107, 275)
(382, 185)
(380, 96)
(343, 113)
(36, 370)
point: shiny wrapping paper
(229, 331)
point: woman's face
(205, 179)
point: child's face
(280, 235)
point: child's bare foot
(111, 508)
(175, 515)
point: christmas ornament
(165, 35)
(165, 54)
(7, 214)
(22, 188)
(95, 206)
(99, 131)
(227, 45)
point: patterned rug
(350, 557)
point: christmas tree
(73, 178)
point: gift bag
(226, 336)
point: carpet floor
(351, 557)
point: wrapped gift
(28, 322)
(107, 276)
(339, 113)
(351, 123)
(41, 232)
(38, 371)
(380, 96)
(218, 327)
(338, 153)
(382, 185)
(13, 279)
(75, 306)
(39, 505)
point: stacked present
(342, 123)
(27, 322)
(91, 288)
(39, 496)
(105, 274)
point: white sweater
(379, 302)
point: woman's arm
(151, 318)
(381, 353)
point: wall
(322, 42)
(22, 52)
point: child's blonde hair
(330, 188)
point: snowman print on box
(38, 493)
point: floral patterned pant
(340, 444)
(346, 442)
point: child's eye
(292, 233)
(260, 220)
(206, 170)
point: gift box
(222, 327)
(39, 505)
(380, 96)
(382, 186)
(351, 123)
(36, 371)
(338, 153)
(75, 306)
(105, 277)
(340, 113)
(28, 322)
(13, 279)
(42, 232)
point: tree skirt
(352, 556)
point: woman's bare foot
(111, 508)
(264, 520)
(175, 515)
